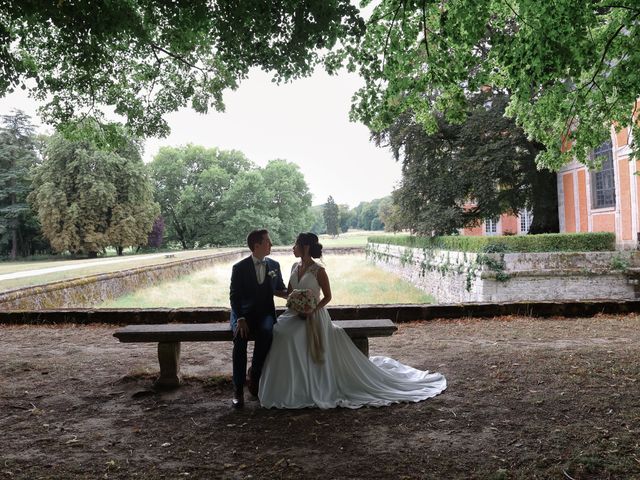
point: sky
(305, 122)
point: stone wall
(453, 277)
(84, 292)
(90, 290)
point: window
(603, 187)
(491, 226)
(526, 217)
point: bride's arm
(323, 281)
(284, 293)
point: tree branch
(424, 27)
(177, 57)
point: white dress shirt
(261, 269)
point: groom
(254, 282)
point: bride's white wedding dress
(347, 378)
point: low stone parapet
(513, 277)
(90, 290)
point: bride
(313, 363)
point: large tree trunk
(544, 193)
(119, 250)
(14, 242)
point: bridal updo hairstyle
(310, 239)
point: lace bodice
(309, 279)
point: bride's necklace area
(302, 268)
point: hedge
(548, 242)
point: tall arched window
(603, 185)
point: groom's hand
(242, 328)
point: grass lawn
(353, 238)
(89, 266)
(353, 281)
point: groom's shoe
(252, 383)
(238, 398)
(252, 386)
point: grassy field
(353, 281)
(89, 266)
(356, 238)
(353, 238)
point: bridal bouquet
(302, 301)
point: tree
(316, 223)
(290, 198)
(571, 67)
(190, 183)
(145, 58)
(390, 215)
(331, 215)
(465, 173)
(346, 217)
(365, 214)
(18, 230)
(154, 239)
(247, 206)
(87, 199)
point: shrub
(548, 242)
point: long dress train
(346, 378)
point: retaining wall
(87, 291)
(453, 277)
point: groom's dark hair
(255, 237)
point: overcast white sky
(305, 122)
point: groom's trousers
(261, 331)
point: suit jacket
(244, 286)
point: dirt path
(527, 399)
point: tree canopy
(215, 197)
(572, 68)
(465, 173)
(87, 199)
(19, 230)
(145, 58)
(331, 214)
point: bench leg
(363, 345)
(169, 358)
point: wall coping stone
(399, 313)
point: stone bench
(170, 335)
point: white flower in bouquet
(302, 301)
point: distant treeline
(87, 191)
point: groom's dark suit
(254, 302)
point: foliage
(215, 197)
(87, 199)
(572, 68)
(317, 220)
(154, 239)
(346, 217)
(189, 185)
(563, 242)
(366, 215)
(290, 198)
(247, 206)
(331, 213)
(146, 58)
(464, 173)
(390, 215)
(19, 230)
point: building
(505, 224)
(606, 200)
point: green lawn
(354, 281)
(353, 238)
(89, 266)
